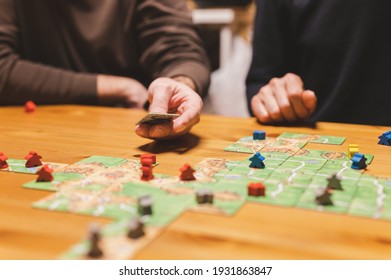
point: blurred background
(226, 28)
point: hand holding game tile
(167, 95)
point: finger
(158, 132)
(270, 103)
(309, 100)
(190, 112)
(160, 96)
(143, 130)
(186, 121)
(259, 110)
(281, 95)
(294, 87)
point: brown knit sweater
(51, 51)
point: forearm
(271, 31)
(186, 80)
(170, 44)
(22, 80)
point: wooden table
(68, 134)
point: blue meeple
(385, 138)
(257, 161)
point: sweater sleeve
(269, 46)
(22, 80)
(170, 45)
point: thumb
(309, 100)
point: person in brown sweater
(105, 53)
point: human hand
(283, 99)
(127, 92)
(170, 96)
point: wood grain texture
(68, 134)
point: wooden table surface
(68, 134)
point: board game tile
(341, 202)
(223, 204)
(290, 179)
(104, 160)
(88, 202)
(246, 172)
(18, 166)
(321, 154)
(209, 167)
(278, 193)
(375, 207)
(280, 175)
(114, 242)
(243, 147)
(321, 139)
(302, 179)
(229, 192)
(303, 163)
(349, 186)
(167, 205)
(285, 146)
(53, 185)
(284, 142)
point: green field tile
(231, 164)
(18, 166)
(368, 207)
(53, 203)
(302, 179)
(279, 175)
(321, 154)
(246, 145)
(165, 207)
(341, 202)
(104, 160)
(229, 195)
(52, 186)
(321, 139)
(279, 194)
(304, 163)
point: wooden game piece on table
(3, 161)
(209, 197)
(256, 189)
(257, 161)
(385, 138)
(353, 148)
(359, 161)
(145, 205)
(94, 251)
(135, 229)
(334, 182)
(151, 156)
(323, 197)
(33, 159)
(259, 135)
(187, 173)
(146, 173)
(45, 174)
(146, 161)
(29, 107)
(204, 196)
